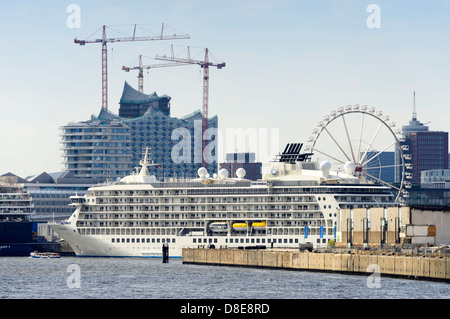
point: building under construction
(110, 145)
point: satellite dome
(223, 173)
(349, 168)
(202, 172)
(240, 172)
(325, 166)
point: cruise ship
(296, 202)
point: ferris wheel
(364, 143)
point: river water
(129, 278)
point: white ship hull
(102, 246)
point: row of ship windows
(214, 240)
(258, 194)
(143, 240)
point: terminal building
(50, 192)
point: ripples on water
(27, 278)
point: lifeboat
(259, 225)
(218, 227)
(240, 226)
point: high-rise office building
(428, 149)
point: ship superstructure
(297, 201)
(15, 227)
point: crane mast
(205, 107)
(104, 40)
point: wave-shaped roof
(133, 96)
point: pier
(354, 262)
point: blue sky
(288, 64)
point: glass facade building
(111, 145)
(175, 144)
(383, 167)
(429, 151)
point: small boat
(259, 225)
(36, 254)
(218, 227)
(240, 226)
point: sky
(288, 63)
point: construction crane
(141, 68)
(104, 40)
(204, 64)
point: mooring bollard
(165, 253)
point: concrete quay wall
(425, 268)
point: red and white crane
(104, 40)
(141, 69)
(204, 64)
